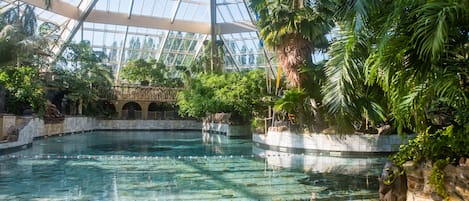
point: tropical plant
(291, 102)
(417, 53)
(18, 25)
(24, 88)
(150, 71)
(352, 102)
(294, 30)
(203, 63)
(19, 46)
(83, 76)
(241, 93)
(141, 70)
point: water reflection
(321, 163)
(197, 167)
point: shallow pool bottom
(75, 168)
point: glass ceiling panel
(47, 16)
(119, 6)
(194, 11)
(74, 2)
(147, 32)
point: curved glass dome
(171, 31)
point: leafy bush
(155, 73)
(24, 88)
(240, 92)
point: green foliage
(280, 18)
(441, 146)
(240, 92)
(436, 144)
(203, 62)
(416, 53)
(156, 73)
(141, 70)
(25, 87)
(291, 102)
(87, 78)
(349, 97)
(437, 177)
(6, 55)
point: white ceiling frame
(175, 11)
(98, 16)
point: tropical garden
(401, 64)
(27, 67)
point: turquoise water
(179, 166)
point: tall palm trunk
(292, 54)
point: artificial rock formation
(456, 181)
(392, 183)
(52, 114)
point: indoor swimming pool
(182, 165)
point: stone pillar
(80, 107)
(144, 106)
(8, 121)
(118, 105)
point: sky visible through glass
(126, 29)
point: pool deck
(330, 144)
(35, 128)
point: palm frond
(435, 21)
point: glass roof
(171, 31)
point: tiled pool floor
(85, 167)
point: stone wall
(332, 142)
(227, 129)
(420, 189)
(30, 128)
(148, 125)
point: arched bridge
(142, 102)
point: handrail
(140, 93)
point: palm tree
(18, 26)
(421, 59)
(15, 27)
(88, 77)
(353, 101)
(294, 30)
(417, 52)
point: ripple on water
(135, 146)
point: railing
(163, 115)
(140, 93)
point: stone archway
(155, 111)
(162, 110)
(131, 110)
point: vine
(437, 177)
(439, 146)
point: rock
(330, 130)
(463, 161)
(12, 130)
(456, 181)
(385, 130)
(52, 114)
(392, 184)
(12, 138)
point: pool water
(179, 166)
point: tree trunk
(294, 53)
